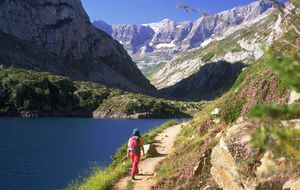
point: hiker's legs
(135, 161)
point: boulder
(230, 155)
(268, 166)
(150, 150)
(294, 97)
(293, 184)
(216, 112)
(224, 168)
(217, 121)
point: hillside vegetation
(252, 139)
(31, 93)
(248, 138)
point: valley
(75, 81)
(195, 67)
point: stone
(294, 97)
(150, 150)
(224, 169)
(196, 169)
(268, 166)
(294, 122)
(240, 120)
(146, 148)
(191, 138)
(217, 121)
(215, 112)
(293, 184)
(228, 156)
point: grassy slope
(104, 179)
(46, 94)
(177, 169)
(148, 68)
(257, 84)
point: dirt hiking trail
(164, 144)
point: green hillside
(31, 93)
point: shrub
(231, 111)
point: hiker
(135, 146)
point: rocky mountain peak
(171, 37)
(104, 26)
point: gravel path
(164, 143)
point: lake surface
(48, 153)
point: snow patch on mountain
(156, 26)
(165, 45)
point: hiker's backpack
(135, 145)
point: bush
(231, 111)
(272, 135)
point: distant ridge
(169, 37)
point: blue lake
(48, 153)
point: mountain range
(190, 60)
(198, 60)
(168, 37)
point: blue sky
(146, 11)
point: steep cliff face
(133, 37)
(63, 29)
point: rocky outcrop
(234, 145)
(294, 97)
(293, 184)
(237, 165)
(57, 36)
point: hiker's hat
(135, 132)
